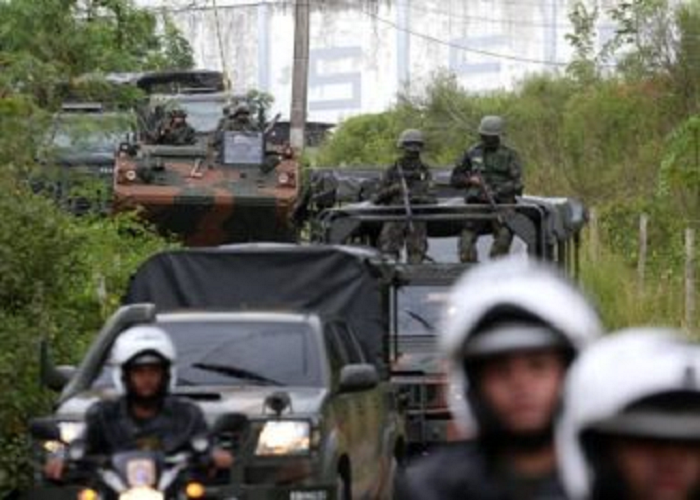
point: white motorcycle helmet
(640, 382)
(487, 314)
(142, 344)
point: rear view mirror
(358, 377)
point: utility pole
(300, 75)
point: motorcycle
(140, 475)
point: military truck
(291, 337)
(77, 155)
(225, 188)
(545, 228)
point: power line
(464, 48)
(490, 20)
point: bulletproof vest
(494, 165)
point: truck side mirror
(52, 376)
(44, 429)
(358, 377)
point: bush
(60, 277)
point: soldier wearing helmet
(630, 428)
(411, 175)
(510, 331)
(177, 132)
(490, 172)
(146, 416)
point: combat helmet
(241, 109)
(410, 136)
(491, 126)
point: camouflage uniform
(419, 184)
(239, 121)
(177, 133)
(501, 170)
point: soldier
(238, 120)
(177, 132)
(510, 330)
(234, 120)
(491, 172)
(630, 428)
(407, 181)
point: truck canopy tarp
(333, 282)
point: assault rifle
(405, 196)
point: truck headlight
(284, 437)
(69, 431)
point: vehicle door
(370, 406)
(346, 415)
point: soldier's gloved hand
(394, 189)
(474, 180)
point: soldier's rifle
(492, 202)
(405, 196)
(488, 194)
(272, 124)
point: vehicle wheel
(342, 488)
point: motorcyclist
(146, 416)
(630, 428)
(408, 173)
(511, 328)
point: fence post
(689, 278)
(594, 243)
(642, 258)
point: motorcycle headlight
(284, 437)
(141, 493)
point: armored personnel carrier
(228, 186)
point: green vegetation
(60, 276)
(626, 143)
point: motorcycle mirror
(199, 444)
(230, 422)
(44, 429)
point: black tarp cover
(331, 281)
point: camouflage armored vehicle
(545, 228)
(228, 186)
(291, 337)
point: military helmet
(637, 383)
(241, 109)
(491, 125)
(410, 136)
(178, 113)
(504, 306)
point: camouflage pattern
(390, 192)
(177, 134)
(188, 191)
(500, 169)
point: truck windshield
(224, 353)
(420, 309)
